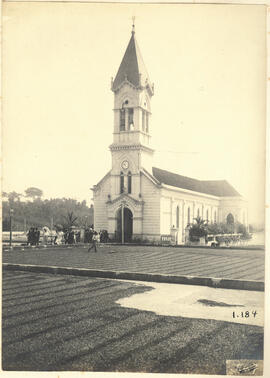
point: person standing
(30, 236)
(37, 236)
(94, 242)
(66, 236)
(45, 235)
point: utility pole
(10, 226)
(122, 225)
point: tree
(12, 196)
(4, 194)
(33, 193)
(41, 212)
(198, 230)
(70, 220)
(241, 229)
(214, 228)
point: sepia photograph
(133, 188)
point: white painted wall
(151, 208)
(100, 208)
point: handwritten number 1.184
(245, 314)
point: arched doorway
(127, 224)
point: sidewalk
(242, 269)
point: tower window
(129, 182)
(130, 118)
(122, 187)
(147, 122)
(122, 119)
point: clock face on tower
(125, 164)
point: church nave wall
(151, 208)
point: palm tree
(70, 220)
(198, 229)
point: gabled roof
(219, 188)
(132, 67)
(101, 181)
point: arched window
(177, 217)
(188, 215)
(215, 216)
(230, 219)
(129, 182)
(122, 119)
(207, 215)
(198, 213)
(122, 182)
(130, 119)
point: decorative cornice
(128, 83)
(118, 147)
(132, 132)
(198, 194)
(124, 196)
(134, 107)
(147, 86)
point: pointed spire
(132, 67)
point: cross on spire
(133, 24)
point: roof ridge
(177, 174)
(219, 188)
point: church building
(135, 200)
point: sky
(208, 64)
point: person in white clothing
(94, 242)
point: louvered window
(129, 182)
(122, 187)
(122, 119)
(130, 119)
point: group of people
(72, 237)
(33, 236)
(69, 236)
(89, 232)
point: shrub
(198, 230)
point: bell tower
(131, 150)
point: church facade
(135, 200)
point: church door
(127, 223)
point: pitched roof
(132, 67)
(219, 188)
